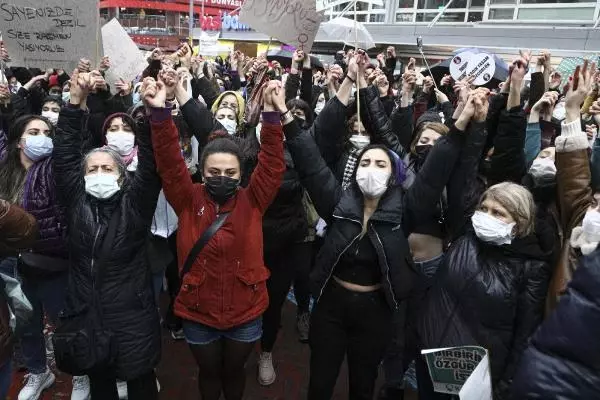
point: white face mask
(66, 96)
(229, 124)
(591, 226)
(543, 170)
(373, 182)
(101, 186)
(38, 147)
(120, 141)
(491, 229)
(360, 141)
(319, 107)
(51, 115)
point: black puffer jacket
(563, 358)
(284, 221)
(491, 296)
(387, 228)
(126, 297)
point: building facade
(566, 27)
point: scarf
(349, 169)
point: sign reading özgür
(50, 34)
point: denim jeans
(47, 296)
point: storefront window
(571, 13)
(555, 1)
(377, 18)
(446, 17)
(477, 3)
(436, 4)
(405, 17)
(501, 13)
(406, 3)
(475, 16)
(503, 1)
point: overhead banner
(50, 34)
(291, 22)
(126, 60)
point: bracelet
(283, 115)
(351, 80)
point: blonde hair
(518, 201)
(437, 127)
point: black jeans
(283, 264)
(346, 323)
(104, 387)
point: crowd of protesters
(406, 214)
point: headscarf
(241, 104)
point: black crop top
(359, 264)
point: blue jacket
(563, 358)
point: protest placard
(451, 367)
(292, 22)
(482, 66)
(126, 60)
(459, 65)
(50, 34)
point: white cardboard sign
(295, 23)
(126, 60)
(481, 65)
(459, 65)
(50, 33)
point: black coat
(387, 228)
(126, 297)
(563, 358)
(490, 296)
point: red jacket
(226, 285)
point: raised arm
(176, 180)
(67, 156)
(146, 185)
(268, 174)
(380, 122)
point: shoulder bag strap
(206, 236)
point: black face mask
(221, 188)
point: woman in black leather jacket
(364, 272)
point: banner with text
(291, 22)
(53, 35)
(126, 60)
(462, 371)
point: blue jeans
(47, 296)
(5, 378)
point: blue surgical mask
(37, 147)
(66, 96)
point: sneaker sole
(46, 385)
(269, 382)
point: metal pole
(437, 17)
(191, 23)
(201, 20)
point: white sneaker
(157, 385)
(81, 388)
(36, 384)
(122, 389)
(266, 372)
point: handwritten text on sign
(55, 34)
(292, 22)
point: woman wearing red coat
(224, 294)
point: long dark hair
(12, 171)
